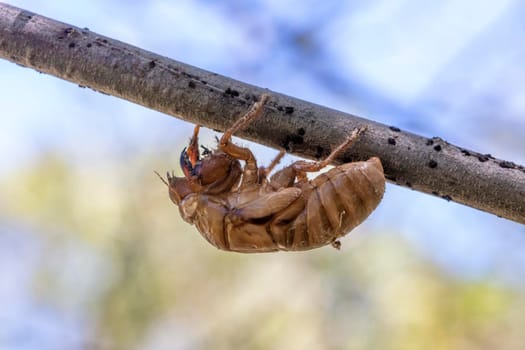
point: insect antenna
(161, 178)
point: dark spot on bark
(301, 132)
(409, 184)
(465, 152)
(430, 142)
(435, 193)
(151, 64)
(483, 157)
(252, 97)
(395, 128)
(191, 84)
(21, 20)
(88, 45)
(507, 165)
(68, 30)
(280, 108)
(447, 198)
(432, 164)
(104, 41)
(288, 110)
(319, 151)
(231, 92)
(291, 140)
(60, 38)
(437, 148)
(204, 82)
(71, 45)
(81, 86)
(391, 141)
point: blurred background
(93, 255)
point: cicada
(242, 208)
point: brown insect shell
(330, 206)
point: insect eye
(185, 163)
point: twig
(429, 165)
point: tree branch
(428, 165)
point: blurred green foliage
(116, 253)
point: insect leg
(286, 176)
(304, 166)
(251, 172)
(265, 171)
(254, 113)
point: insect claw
(205, 150)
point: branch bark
(429, 165)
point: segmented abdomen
(339, 200)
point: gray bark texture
(429, 165)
